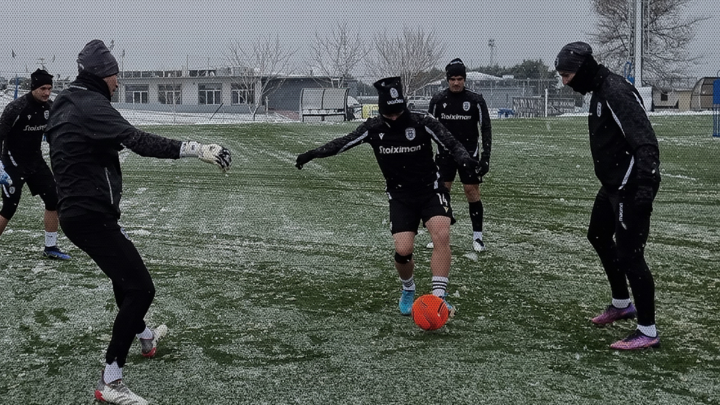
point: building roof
(479, 76)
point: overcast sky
(165, 34)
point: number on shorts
(443, 200)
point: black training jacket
(462, 113)
(22, 125)
(403, 149)
(85, 133)
(622, 141)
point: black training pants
(105, 242)
(614, 214)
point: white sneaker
(149, 346)
(430, 246)
(117, 392)
(478, 245)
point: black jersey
(622, 141)
(85, 133)
(22, 125)
(403, 149)
(466, 115)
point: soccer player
(22, 125)
(465, 114)
(627, 159)
(85, 133)
(402, 142)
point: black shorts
(41, 182)
(448, 167)
(408, 209)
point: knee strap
(403, 259)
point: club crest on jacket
(410, 133)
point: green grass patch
(278, 285)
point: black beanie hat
(95, 58)
(390, 96)
(40, 78)
(456, 67)
(572, 56)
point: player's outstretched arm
(337, 145)
(210, 153)
(303, 158)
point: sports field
(278, 285)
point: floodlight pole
(638, 42)
(491, 44)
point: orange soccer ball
(429, 312)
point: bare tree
(258, 69)
(666, 37)
(338, 54)
(408, 55)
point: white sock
(621, 304)
(477, 235)
(146, 334)
(112, 372)
(648, 330)
(408, 285)
(439, 286)
(50, 239)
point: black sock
(476, 215)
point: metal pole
(716, 107)
(638, 42)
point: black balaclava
(584, 80)
(576, 57)
(390, 96)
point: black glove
(471, 166)
(644, 197)
(304, 158)
(484, 167)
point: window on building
(136, 93)
(664, 96)
(169, 94)
(241, 94)
(210, 93)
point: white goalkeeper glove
(211, 153)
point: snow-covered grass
(278, 287)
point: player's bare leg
(51, 221)
(3, 224)
(405, 266)
(439, 228)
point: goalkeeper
(85, 133)
(626, 157)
